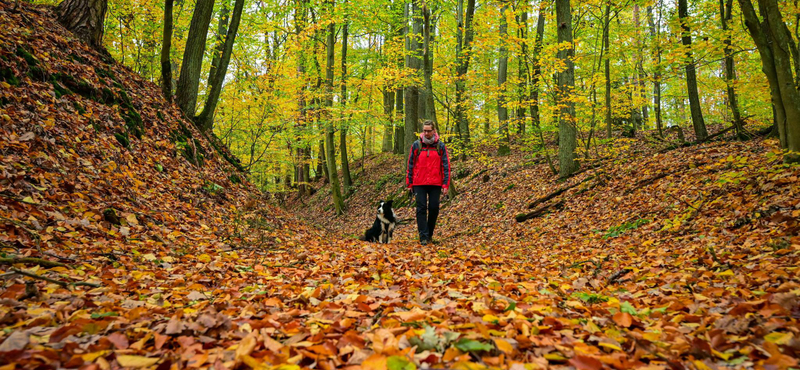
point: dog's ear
(389, 203)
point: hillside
(129, 240)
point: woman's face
(428, 132)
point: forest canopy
(307, 78)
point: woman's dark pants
(427, 209)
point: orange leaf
(504, 346)
(375, 362)
(623, 319)
(585, 362)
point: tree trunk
(399, 130)
(186, 94)
(411, 93)
(166, 45)
(726, 16)
(388, 111)
(85, 18)
(537, 72)
(567, 130)
(772, 40)
(463, 55)
(330, 149)
(607, 69)
(303, 152)
(502, 75)
(522, 69)
(691, 75)
(640, 75)
(654, 35)
(348, 181)
(427, 105)
(206, 119)
(222, 31)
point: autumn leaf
(375, 362)
(18, 340)
(136, 361)
(623, 319)
(581, 362)
(399, 363)
(471, 345)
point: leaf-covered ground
(681, 259)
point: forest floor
(129, 241)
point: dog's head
(385, 208)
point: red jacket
(428, 164)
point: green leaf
(399, 363)
(427, 341)
(28, 200)
(628, 308)
(98, 315)
(471, 345)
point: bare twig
(31, 260)
(58, 282)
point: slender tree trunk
(463, 55)
(427, 105)
(399, 130)
(654, 35)
(537, 72)
(222, 31)
(388, 111)
(186, 94)
(640, 75)
(303, 154)
(85, 18)
(206, 119)
(502, 74)
(330, 149)
(522, 68)
(567, 130)
(348, 181)
(413, 60)
(725, 13)
(607, 69)
(166, 45)
(691, 75)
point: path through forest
(130, 241)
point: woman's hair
(428, 122)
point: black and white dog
(383, 227)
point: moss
(60, 89)
(29, 58)
(133, 121)
(107, 96)
(235, 179)
(78, 107)
(102, 72)
(7, 75)
(77, 58)
(124, 98)
(37, 73)
(122, 139)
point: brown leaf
(119, 340)
(15, 342)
